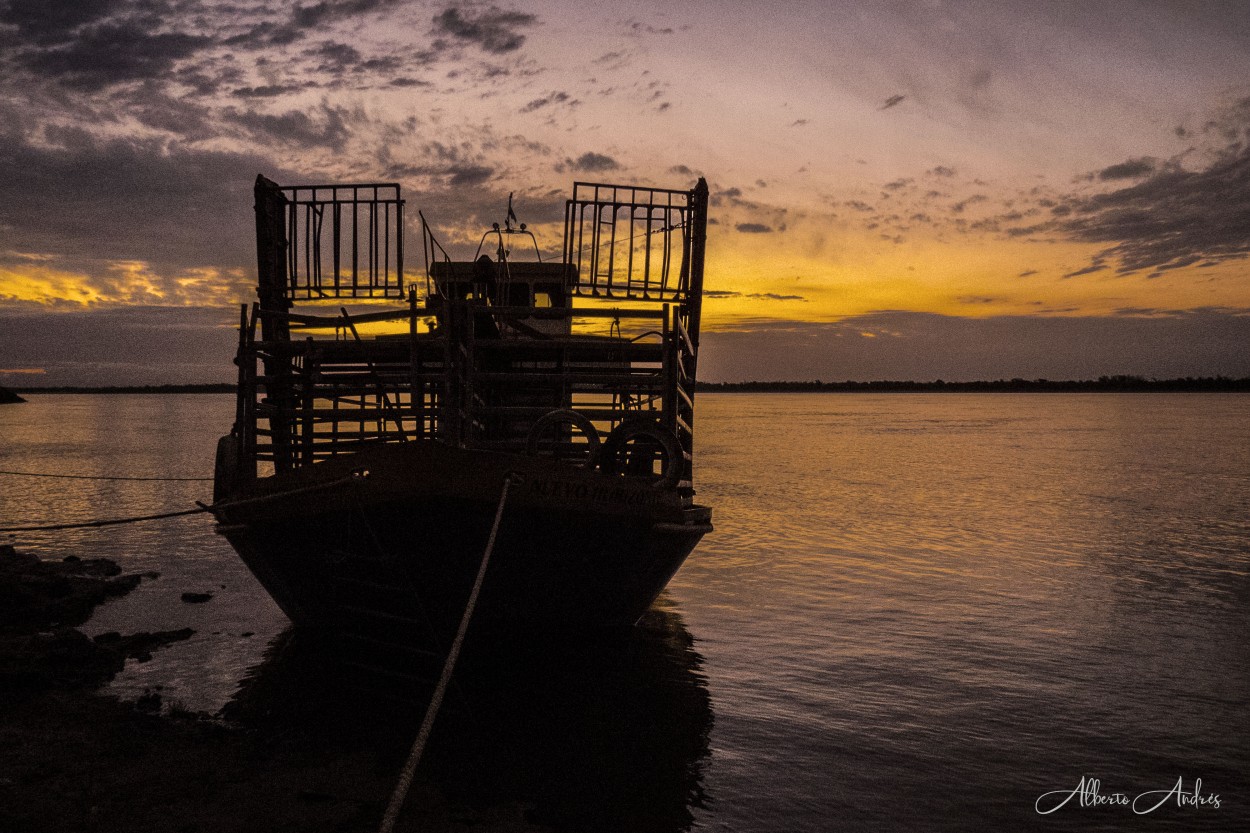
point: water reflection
(608, 737)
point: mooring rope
(431, 711)
(104, 477)
(201, 507)
(110, 522)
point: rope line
(418, 746)
(110, 522)
(103, 477)
(214, 508)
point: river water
(917, 612)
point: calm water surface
(917, 612)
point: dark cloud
(1096, 266)
(645, 28)
(45, 22)
(493, 30)
(753, 228)
(925, 347)
(86, 199)
(111, 53)
(336, 57)
(551, 98)
(307, 17)
(296, 127)
(591, 162)
(1172, 219)
(892, 101)
(942, 170)
(1130, 169)
(124, 346)
(758, 296)
(1176, 215)
(959, 207)
(299, 22)
(470, 175)
(265, 91)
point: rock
(149, 701)
(8, 397)
(196, 598)
(35, 594)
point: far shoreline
(1103, 384)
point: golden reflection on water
(915, 609)
(911, 584)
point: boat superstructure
(380, 411)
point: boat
(374, 449)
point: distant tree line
(1103, 384)
(213, 388)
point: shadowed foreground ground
(526, 743)
(72, 759)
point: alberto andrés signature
(1088, 793)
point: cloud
(462, 175)
(892, 101)
(319, 13)
(266, 91)
(1130, 169)
(1175, 215)
(493, 30)
(1172, 219)
(100, 347)
(551, 98)
(591, 162)
(295, 127)
(927, 346)
(47, 23)
(759, 296)
(753, 228)
(110, 53)
(92, 200)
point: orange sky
(968, 160)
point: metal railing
(344, 241)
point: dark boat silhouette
(363, 472)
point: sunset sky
(906, 190)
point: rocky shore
(287, 758)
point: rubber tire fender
(577, 420)
(609, 454)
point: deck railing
(482, 377)
(344, 241)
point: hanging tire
(564, 416)
(610, 455)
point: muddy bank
(72, 759)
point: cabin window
(548, 295)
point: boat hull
(384, 545)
